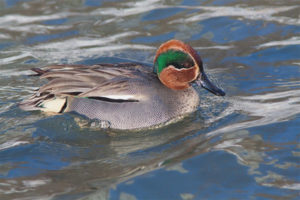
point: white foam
(12, 143)
(291, 41)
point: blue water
(242, 146)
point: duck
(128, 96)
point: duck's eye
(185, 64)
(178, 59)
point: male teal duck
(127, 95)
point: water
(243, 146)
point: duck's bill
(208, 85)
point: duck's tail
(38, 71)
(42, 101)
(45, 102)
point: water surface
(242, 146)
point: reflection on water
(243, 145)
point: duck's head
(178, 65)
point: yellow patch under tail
(53, 105)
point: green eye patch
(176, 58)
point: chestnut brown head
(178, 65)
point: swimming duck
(127, 95)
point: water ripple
(253, 13)
(286, 42)
(265, 108)
(12, 143)
(251, 48)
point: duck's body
(127, 95)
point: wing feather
(112, 81)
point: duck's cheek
(174, 79)
(187, 75)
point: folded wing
(107, 82)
